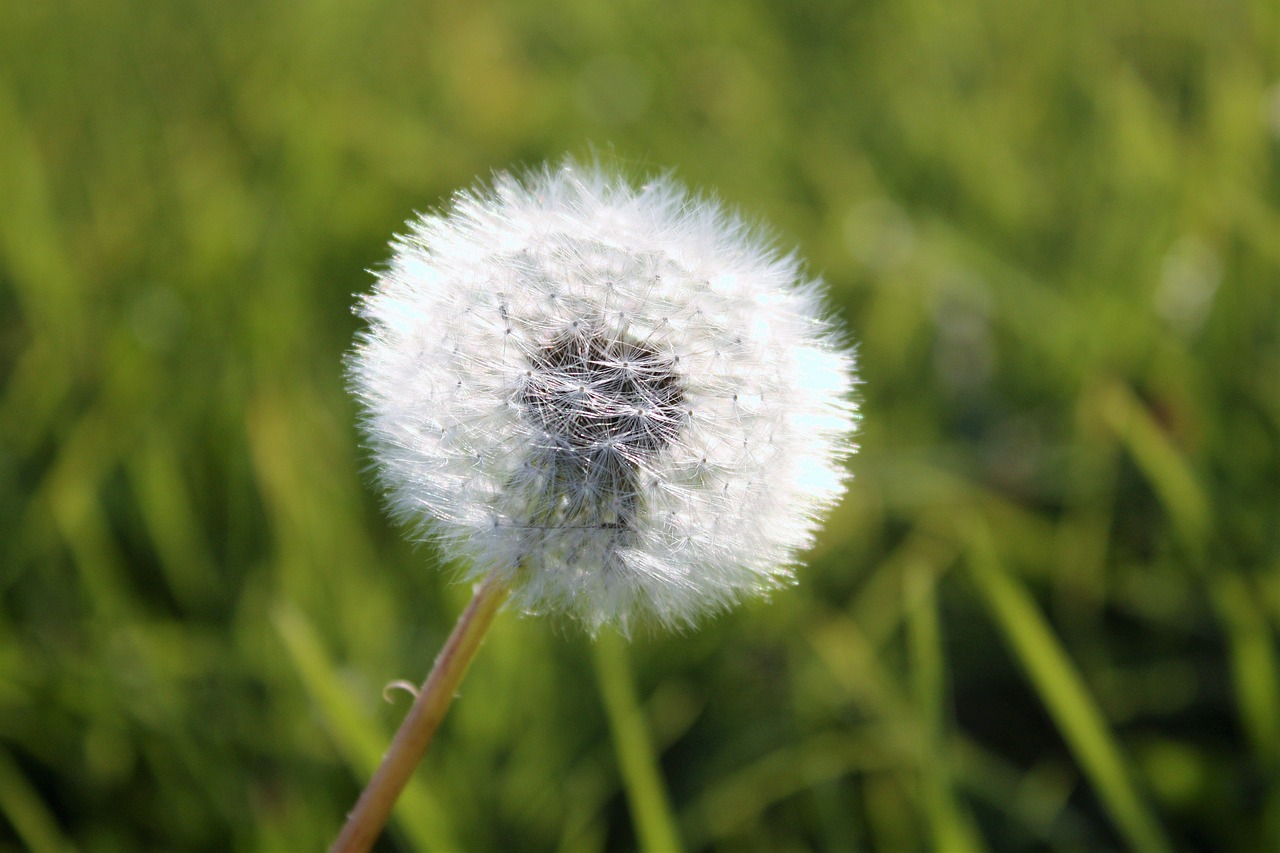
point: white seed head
(616, 396)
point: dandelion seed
(616, 399)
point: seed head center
(594, 390)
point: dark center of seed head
(594, 391)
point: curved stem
(366, 820)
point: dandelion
(615, 398)
(612, 402)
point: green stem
(370, 814)
(642, 780)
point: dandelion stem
(366, 820)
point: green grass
(1045, 617)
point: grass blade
(1064, 695)
(646, 793)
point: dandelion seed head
(618, 397)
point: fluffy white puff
(617, 396)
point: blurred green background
(1044, 618)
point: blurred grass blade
(361, 741)
(646, 793)
(1254, 667)
(166, 508)
(738, 800)
(1164, 466)
(22, 807)
(1064, 695)
(952, 828)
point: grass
(1045, 617)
